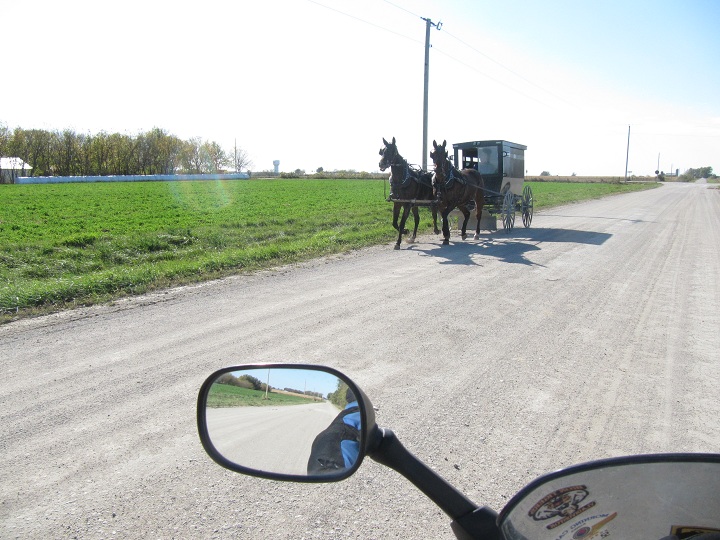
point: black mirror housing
(240, 432)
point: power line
(365, 21)
(507, 68)
(489, 58)
(489, 77)
(506, 85)
(403, 9)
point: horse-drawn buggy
(491, 176)
(502, 166)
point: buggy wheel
(508, 211)
(527, 206)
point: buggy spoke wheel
(508, 211)
(527, 206)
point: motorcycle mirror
(284, 421)
(656, 496)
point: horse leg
(478, 214)
(479, 203)
(466, 216)
(445, 227)
(396, 215)
(433, 209)
(416, 215)
(401, 228)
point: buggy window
(484, 159)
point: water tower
(276, 164)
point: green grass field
(226, 395)
(65, 245)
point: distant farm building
(11, 168)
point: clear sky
(320, 83)
(296, 379)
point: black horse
(456, 189)
(407, 184)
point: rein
(453, 174)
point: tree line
(253, 383)
(700, 172)
(67, 153)
(340, 396)
(244, 381)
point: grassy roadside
(68, 245)
(225, 395)
(549, 194)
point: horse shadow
(511, 248)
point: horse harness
(452, 175)
(410, 173)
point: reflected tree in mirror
(284, 420)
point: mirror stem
(468, 517)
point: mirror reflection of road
(271, 438)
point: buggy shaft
(415, 201)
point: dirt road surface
(595, 333)
(277, 439)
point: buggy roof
(473, 144)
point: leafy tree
(68, 153)
(337, 397)
(244, 381)
(164, 152)
(256, 383)
(227, 378)
(191, 157)
(545, 173)
(121, 154)
(33, 147)
(213, 157)
(65, 150)
(701, 172)
(99, 154)
(232, 380)
(4, 140)
(85, 154)
(143, 154)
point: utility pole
(428, 24)
(627, 155)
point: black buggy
(502, 165)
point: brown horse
(407, 184)
(456, 189)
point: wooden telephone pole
(428, 25)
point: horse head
(389, 153)
(440, 160)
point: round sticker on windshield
(561, 503)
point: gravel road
(277, 439)
(594, 333)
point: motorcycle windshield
(657, 497)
